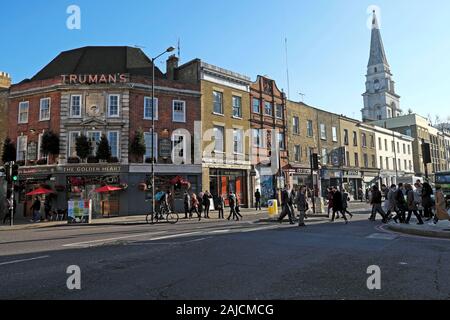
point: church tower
(380, 100)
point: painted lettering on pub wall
(95, 78)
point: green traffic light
(15, 178)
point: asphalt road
(223, 260)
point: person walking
(412, 205)
(47, 208)
(330, 200)
(36, 209)
(194, 207)
(286, 205)
(258, 200)
(238, 208)
(302, 205)
(345, 200)
(337, 205)
(206, 203)
(187, 204)
(391, 203)
(232, 204)
(427, 202)
(200, 203)
(219, 206)
(441, 206)
(376, 200)
(418, 197)
(8, 207)
(400, 202)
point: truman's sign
(95, 78)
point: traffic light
(315, 161)
(15, 173)
(426, 153)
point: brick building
(5, 83)
(95, 91)
(269, 132)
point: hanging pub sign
(95, 78)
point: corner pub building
(95, 91)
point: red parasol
(180, 180)
(107, 189)
(39, 191)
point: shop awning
(105, 189)
(39, 191)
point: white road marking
(179, 235)
(23, 260)
(259, 229)
(78, 244)
(382, 236)
(220, 231)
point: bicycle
(163, 214)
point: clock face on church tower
(377, 85)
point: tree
(103, 150)
(9, 151)
(50, 143)
(83, 146)
(138, 144)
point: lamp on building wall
(170, 49)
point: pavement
(429, 229)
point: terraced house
(224, 133)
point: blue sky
(328, 42)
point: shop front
(352, 183)
(330, 178)
(370, 178)
(299, 176)
(224, 181)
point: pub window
(44, 109)
(113, 105)
(72, 152)
(23, 112)
(22, 148)
(179, 111)
(148, 110)
(113, 139)
(75, 106)
(148, 145)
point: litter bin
(273, 208)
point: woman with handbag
(441, 206)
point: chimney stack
(5, 80)
(172, 64)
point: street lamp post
(170, 49)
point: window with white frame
(279, 111)
(324, 156)
(237, 107)
(366, 160)
(94, 139)
(364, 140)
(23, 112)
(256, 106)
(71, 149)
(179, 111)
(22, 148)
(219, 138)
(44, 109)
(323, 131)
(334, 133)
(218, 102)
(113, 106)
(281, 141)
(179, 146)
(309, 128)
(75, 106)
(113, 139)
(296, 125)
(409, 149)
(258, 138)
(148, 145)
(148, 110)
(267, 108)
(237, 139)
(297, 153)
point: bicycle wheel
(172, 217)
(150, 219)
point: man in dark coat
(286, 205)
(337, 205)
(258, 199)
